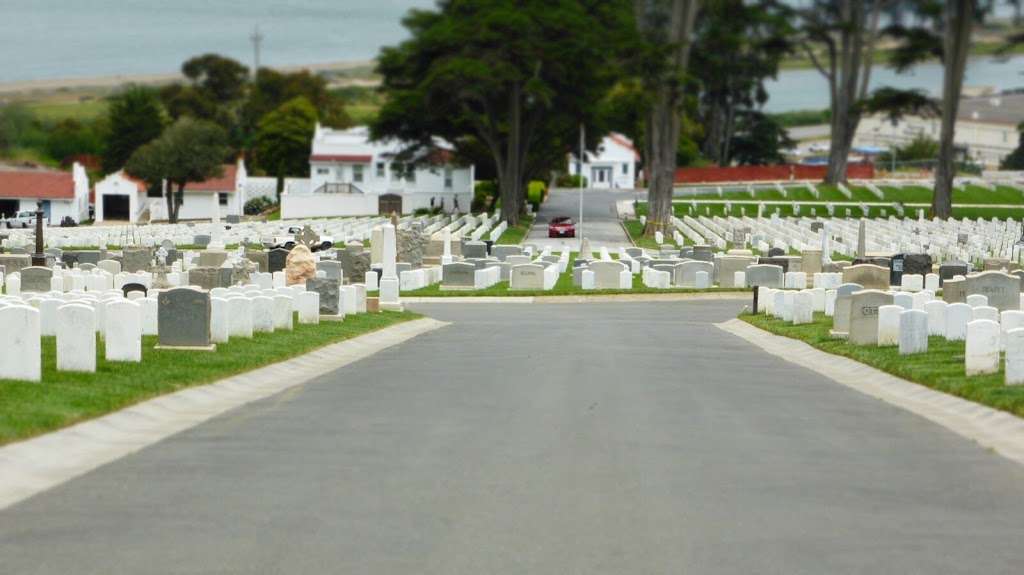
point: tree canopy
(282, 138)
(134, 118)
(188, 151)
(509, 73)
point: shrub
(257, 206)
(482, 194)
(536, 191)
(570, 181)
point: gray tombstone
(949, 269)
(474, 250)
(527, 277)
(209, 278)
(954, 291)
(606, 274)
(330, 294)
(331, 268)
(686, 272)
(864, 306)
(635, 252)
(201, 240)
(183, 318)
(868, 275)
(14, 263)
(702, 253)
(276, 259)
(765, 275)
(502, 251)
(91, 256)
(258, 257)
(458, 275)
(727, 266)
(135, 260)
(1002, 290)
(212, 258)
(36, 279)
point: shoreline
(49, 85)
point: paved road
(600, 218)
(561, 439)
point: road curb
(32, 466)
(637, 298)
(991, 428)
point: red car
(562, 227)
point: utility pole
(583, 151)
(257, 41)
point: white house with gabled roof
(613, 166)
(351, 175)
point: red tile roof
(351, 158)
(225, 183)
(43, 185)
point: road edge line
(997, 430)
(41, 463)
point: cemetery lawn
(941, 369)
(65, 398)
(515, 234)
(636, 233)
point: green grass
(941, 368)
(56, 109)
(636, 233)
(516, 233)
(64, 398)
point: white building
(614, 165)
(63, 194)
(986, 127)
(121, 197)
(351, 175)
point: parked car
(288, 242)
(562, 227)
(23, 219)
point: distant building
(63, 194)
(986, 128)
(123, 198)
(351, 175)
(614, 165)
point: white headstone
(803, 307)
(150, 309)
(263, 314)
(703, 280)
(1015, 356)
(958, 315)
(913, 329)
(1010, 320)
(889, 324)
(220, 320)
(985, 312)
(977, 300)
(982, 351)
(240, 311)
(123, 332)
(76, 338)
(936, 310)
(283, 312)
(931, 282)
(308, 304)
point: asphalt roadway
(600, 219)
(617, 438)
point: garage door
(116, 207)
(9, 207)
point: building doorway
(600, 177)
(116, 207)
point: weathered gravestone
(330, 294)
(201, 240)
(954, 291)
(634, 252)
(134, 259)
(14, 263)
(868, 275)
(503, 251)
(183, 318)
(112, 267)
(727, 266)
(474, 250)
(209, 278)
(702, 253)
(527, 277)
(765, 275)
(458, 275)
(36, 279)
(864, 315)
(260, 258)
(212, 258)
(841, 317)
(411, 246)
(810, 261)
(1002, 290)
(331, 268)
(355, 262)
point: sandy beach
(347, 73)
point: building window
(625, 169)
(223, 198)
(380, 170)
(1005, 135)
(447, 178)
(357, 173)
(323, 171)
(410, 174)
(396, 172)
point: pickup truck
(23, 219)
(288, 242)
